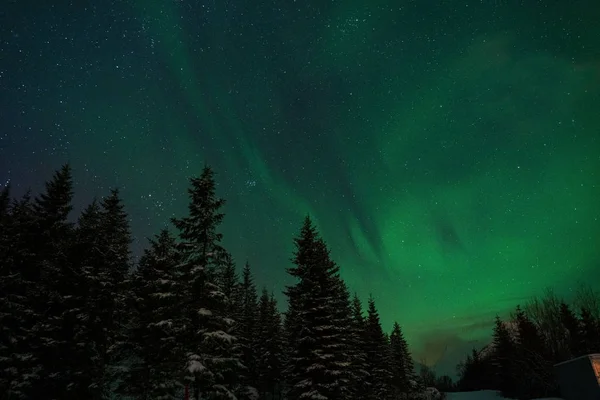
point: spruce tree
(361, 375)
(211, 364)
(402, 365)
(504, 356)
(87, 255)
(590, 331)
(532, 357)
(107, 301)
(8, 322)
(227, 279)
(377, 352)
(18, 276)
(4, 205)
(246, 329)
(51, 293)
(268, 346)
(342, 347)
(316, 369)
(573, 329)
(154, 355)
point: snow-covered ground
(482, 395)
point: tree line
(520, 360)
(78, 320)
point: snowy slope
(482, 395)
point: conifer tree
(8, 322)
(4, 205)
(504, 354)
(87, 255)
(18, 277)
(532, 357)
(154, 355)
(590, 331)
(572, 326)
(377, 352)
(268, 346)
(315, 367)
(108, 285)
(228, 281)
(402, 365)
(360, 373)
(51, 294)
(342, 347)
(211, 363)
(246, 329)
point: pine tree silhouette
(378, 355)
(212, 365)
(504, 355)
(154, 354)
(317, 368)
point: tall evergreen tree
(590, 331)
(18, 277)
(246, 329)
(531, 356)
(8, 322)
(358, 357)
(402, 364)
(154, 357)
(228, 281)
(573, 328)
(377, 352)
(107, 302)
(51, 293)
(504, 355)
(316, 369)
(211, 364)
(87, 255)
(268, 346)
(4, 204)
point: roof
(595, 355)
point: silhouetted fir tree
(291, 329)
(573, 328)
(342, 347)
(377, 352)
(590, 331)
(476, 373)
(427, 376)
(52, 293)
(316, 370)
(275, 349)
(228, 281)
(504, 354)
(468, 374)
(154, 355)
(4, 205)
(246, 328)
(531, 356)
(8, 318)
(19, 276)
(87, 255)
(211, 365)
(268, 346)
(444, 384)
(401, 362)
(108, 280)
(358, 358)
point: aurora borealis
(448, 151)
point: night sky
(449, 151)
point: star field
(448, 151)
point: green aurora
(448, 152)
